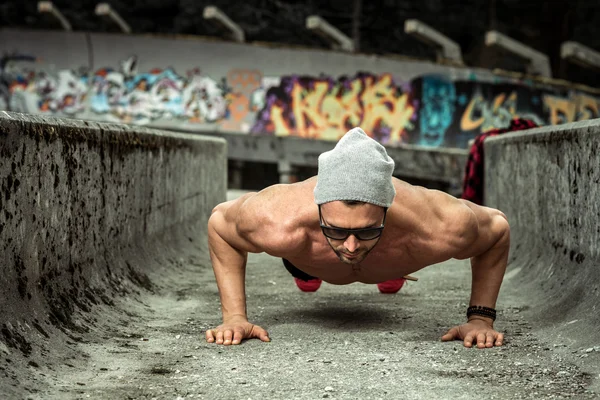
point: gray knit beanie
(358, 168)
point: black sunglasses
(360, 234)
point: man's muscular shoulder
(458, 221)
(271, 219)
(448, 222)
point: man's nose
(352, 243)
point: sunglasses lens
(336, 234)
(368, 235)
(341, 234)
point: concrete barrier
(85, 209)
(547, 181)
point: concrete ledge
(539, 62)
(580, 54)
(547, 181)
(219, 18)
(447, 48)
(105, 10)
(82, 206)
(329, 32)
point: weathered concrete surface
(85, 212)
(547, 181)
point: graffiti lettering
(575, 108)
(122, 96)
(484, 115)
(321, 108)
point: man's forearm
(229, 266)
(488, 271)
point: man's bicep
(491, 226)
(224, 224)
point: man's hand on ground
(234, 330)
(476, 331)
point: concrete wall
(547, 181)
(82, 205)
(193, 84)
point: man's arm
(488, 268)
(489, 256)
(229, 265)
(228, 253)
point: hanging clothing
(473, 181)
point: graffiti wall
(429, 109)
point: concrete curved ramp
(547, 181)
(106, 285)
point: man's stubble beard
(352, 261)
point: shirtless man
(366, 226)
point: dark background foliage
(379, 29)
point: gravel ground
(340, 342)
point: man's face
(336, 214)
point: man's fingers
(481, 340)
(210, 336)
(499, 339)
(489, 339)
(474, 336)
(235, 334)
(450, 335)
(264, 336)
(220, 337)
(468, 342)
(238, 335)
(228, 337)
(260, 333)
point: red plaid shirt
(473, 183)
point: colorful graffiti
(126, 95)
(6, 76)
(438, 103)
(243, 84)
(577, 107)
(483, 115)
(159, 94)
(430, 110)
(325, 108)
